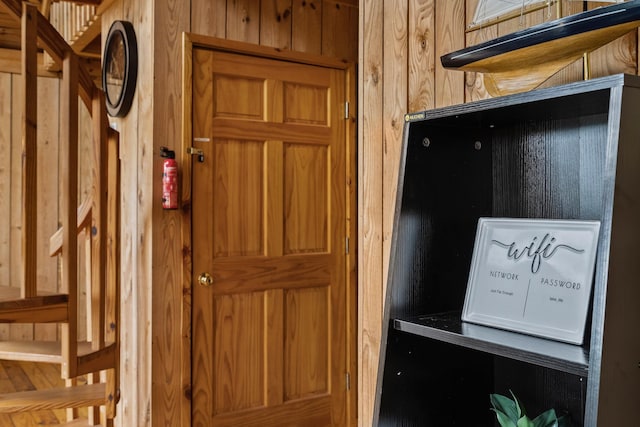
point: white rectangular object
(532, 276)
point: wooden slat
(97, 360)
(209, 17)
(243, 21)
(307, 26)
(59, 398)
(69, 203)
(84, 220)
(340, 30)
(37, 351)
(404, 53)
(275, 24)
(5, 191)
(113, 266)
(41, 309)
(449, 37)
(370, 209)
(17, 331)
(47, 268)
(421, 55)
(29, 152)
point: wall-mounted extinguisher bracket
(169, 179)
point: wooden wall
(155, 331)
(400, 44)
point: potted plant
(511, 413)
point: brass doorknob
(205, 279)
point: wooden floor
(25, 376)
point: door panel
(237, 214)
(305, 199)
(269, 226)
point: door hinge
(346, 110)
(346, 245)
(348, 381)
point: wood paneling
(154, 314)
(370, 188)
(275, 24)
(430, 29)
(336, 18)
(307, 26)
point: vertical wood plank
(397, 63)
(85, 173)
(243, 21)
(48, 117)
(275, 24)
(69, 204)
(307, 26)
(139, 128)
(5, 187)
(352, 259)
(339, 30)
(421, 55)
(161, 259)
(450, 26)
(29, 150)
(188, 325)
(370, 218)
(127, 409)
(5, 184)
(201, 331)
(209, 17)
(17, 332)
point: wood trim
(187, 136)
(189, 42)
(352, 234)
(231, 46)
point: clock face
(120, 68)
(115, 61)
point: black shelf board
(448, 327)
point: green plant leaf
(519, 405)
(525, 422)
(546, 419)
(505, 405)
(503, 419)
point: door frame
(191, 41)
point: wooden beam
(29, 151)
(11, 62)
(52, 308)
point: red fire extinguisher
(169, 179)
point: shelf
(448, 327)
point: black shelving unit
(571, 152)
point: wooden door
(269, 227)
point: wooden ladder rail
(100, 220)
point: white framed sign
(532, 276)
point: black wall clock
(120, 68)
